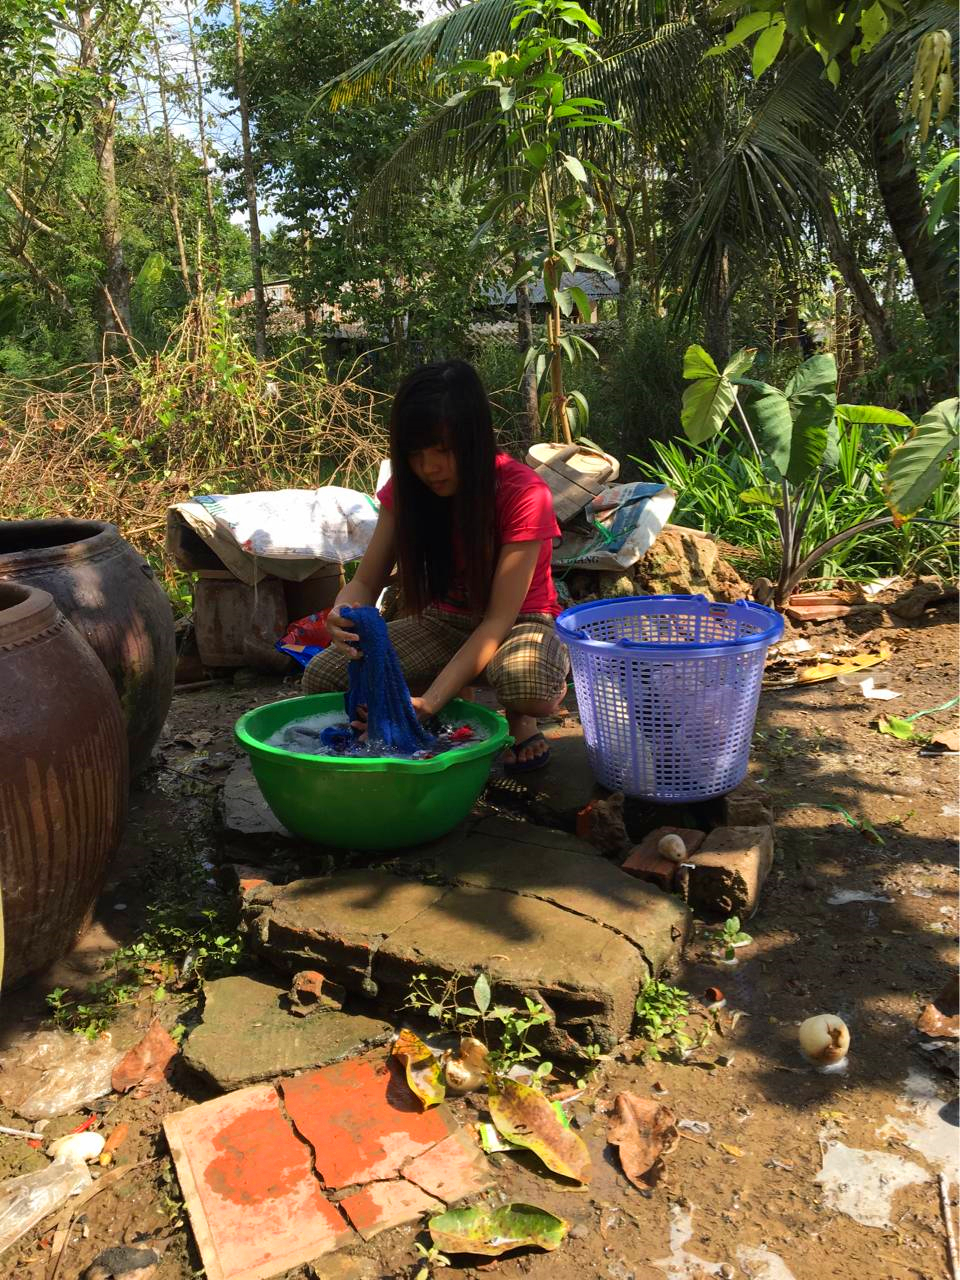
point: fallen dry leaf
(730, 1150)
(147, 1064)
(424, 1072)
(643, 1131)
(524, 1116)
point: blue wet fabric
(376, 681)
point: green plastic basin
(376, 802)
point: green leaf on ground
(524, 1116)
(491, 1232)
(423, 1071)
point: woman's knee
(326, 673)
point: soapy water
(329, 734)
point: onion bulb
(824, 1039)
(671, 846)
(77, 1147)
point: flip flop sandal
(527, 766)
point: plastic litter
(77, 1147)
(24, 1201)
(53, 1073)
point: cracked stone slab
(565, 871)
(244, 812)
(248, 1035)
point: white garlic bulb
(671, 846)
(469, 1069)
(824, 1039)
(77, 1147)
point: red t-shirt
(524, 514)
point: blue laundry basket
(667, 688)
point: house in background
(596, 286)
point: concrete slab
(565, 871)
(382, 1205)
(255, 1205)
(336, 924)
(362, 1121)
(245, 813)
(556, 795)
(247, 1034)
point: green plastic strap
(932, 711)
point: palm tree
(759, 158)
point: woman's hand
(360, 725)
(342, 633)
(422, 710)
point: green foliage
(662, 1012)
(918, 466)
(504, 1028)
(795, 436)
(540, 118)
(729, 937)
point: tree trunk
(846, 263)
(903, 201)
(115, 309)
(250, 186)
(202, 134)
(531, 406)
(649, 237)
(717, 310)
(114, 300)
(173, 201)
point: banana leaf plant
(794, 435)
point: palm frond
(412, 62)
(765, 192)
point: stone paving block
(382, 1205)
(587, 975)
(452, 1170)
(245, 813)
(336, 923)
(248, 1034)
(361, 1120)
(729, 870)
(256, 1207)
(563, 870)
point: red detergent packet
(305, 638)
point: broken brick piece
(601, 824)
(747, 806)
(452, 1170)
(362, 1120)
(729, 870)
(310, 991)
(256, 1206)
(646, 863)
(382, 1205)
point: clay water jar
(64, 778)
(108, 591)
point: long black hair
(444, 404)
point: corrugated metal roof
(594, 284)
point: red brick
(729, 870)
(362, 1120)
(647, 864)
(382, 1205)
(452, 1170)
(256, 1206)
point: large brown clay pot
(64, 778)
(108, 591)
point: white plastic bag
(52, 1073)
(24, 1201)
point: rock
(921, 595)
(601, 824)
(687, 562)
(729, 870)
(247, 1036)
(941, 1018)
(130, 1263)
(647, 863)
(311, 991)
(533, 908)
(747, 806)
(245, 813)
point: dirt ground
(737, 1200)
